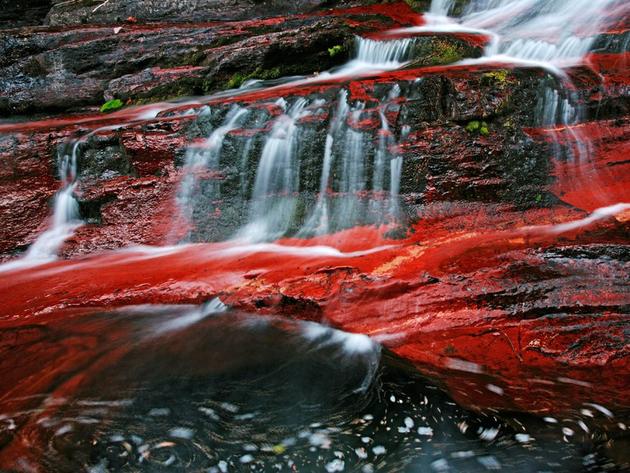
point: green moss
(263, 74)
(499, 78)
(335, 50)
(499, 75)
(235, 81)
(446, 54)
(539, 198)
(112, 105)
(476, 126)
(472, 126)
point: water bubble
(379, 450)
(181, 433)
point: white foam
(602, 213)
(215, 306)
(351, 343)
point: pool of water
(172, 388)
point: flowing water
(207, 388)
(182, 388)
(539, 30)
(65, 218)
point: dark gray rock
(66, 12)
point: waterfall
(374, 55)
(318, 222)
(273, 199)
(348, 207)
(65, 218)
(537, 30)
(204, 158)
(358, 177)
(372, 51)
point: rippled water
(204, 389)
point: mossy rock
(112, 105)
(500, 77)
(441, 50)
(263, 74)
(476, 126)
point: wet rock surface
(56, 70)
(475, 286)
(434, 107)
(96, 11)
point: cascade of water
(318, 222)
(65, 217)
(273, 199)
(539, 30)
(258, 122)
(372, 51)
(348, 176)
(385, 142)
(374, 55)
(205, 158)
(348, 207)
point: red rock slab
(473, 291)
(599, 174)
(613, 68)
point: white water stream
(548, 32)
(554, 31)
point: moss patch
(500, 78)
(476, 126)
(112, 105)
(447, 54)
(264, 74)
(436, 52)
(335, 50)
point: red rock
(602, 176)
(437, 301)
(483, 289)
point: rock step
(61, 68)
(129, 175)
(472, 279)
(141, 64)
(436, 109)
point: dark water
(186, 389)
